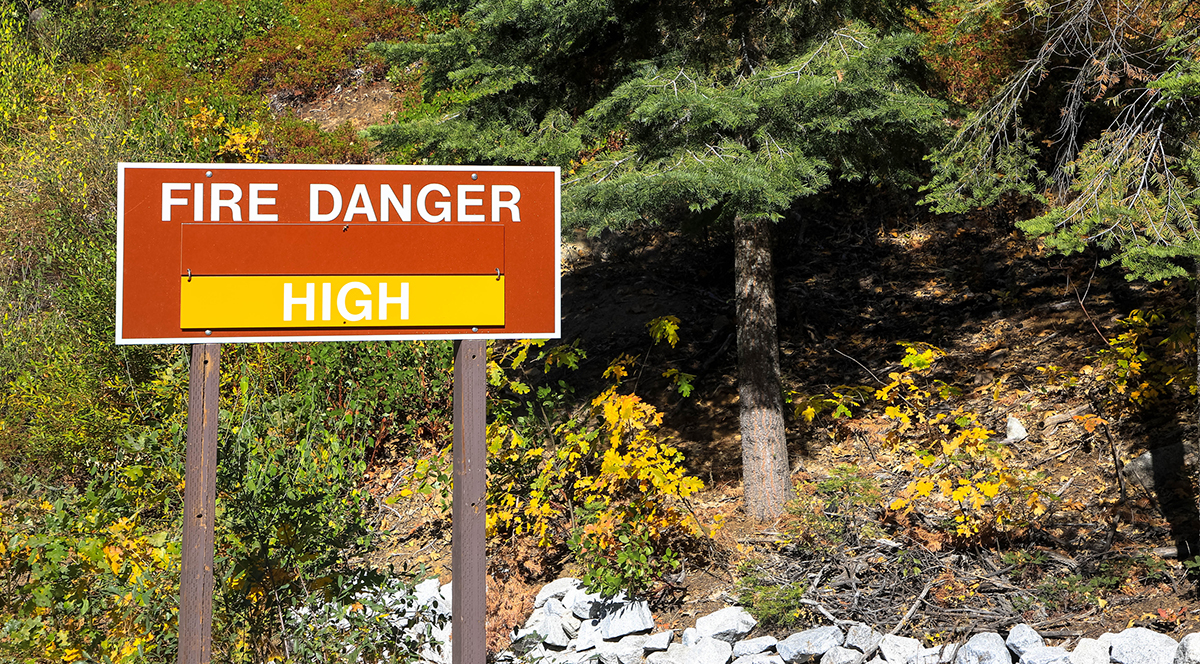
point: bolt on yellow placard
(340, 301)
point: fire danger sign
(267, 252)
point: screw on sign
(224, 253)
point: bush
(296, 141)
(207, 35)
(94, 575)
(838, 509)
(601, 481)
(365, 617)
(321, 45)
(957, 466)
(772, 603)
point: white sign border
(122, 341)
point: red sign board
(271, 252)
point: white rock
(448, 594)
(583, 604)
(1014, 431)
(728, 624)
(554, 607)
(862, 637)
(809, 644)
(589, 635)
(986, 648)
(674, 654)
(943, 654)
(753, 646)
(1138, 645)
(840, 655)
(570, 623)
(555, 589)
(690, 636)
(626, 651)
(709, 651)
(660, 641)
(898, 648)
(621, 618)
(575, 657)
(554, 632)
(535, 618)
(1045, 655)
(759, 658)
(1189, 650)
(1091, 651)
(429, 593)
(1022, 638)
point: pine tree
(1100, 120)
(721, 111)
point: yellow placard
(341, 301)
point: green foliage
(25, 70)
(371, 617)
(319, 43)
(627, 559)
(91, 435)
(296, 141)
(1086, 588)
(380, 391)
(835, 510)
(1149, 363)
(207, 35)
(660, 111)
(1096, 120)
(601, 481)
(94, 574)
(773, 604)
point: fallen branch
(900, 625)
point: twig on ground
(1053, 456)
(860, 364)
(1118, 467)
(900, 625)
(825, 612)
(1084, 309)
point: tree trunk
(765, 472)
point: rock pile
(571, 626)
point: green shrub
(321, 44)
(93, 575)
(207, 35)
(771, 603)
(296, 141)
(836, 509)
(26, 71)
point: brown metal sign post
(469, 596)
(199, 506)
